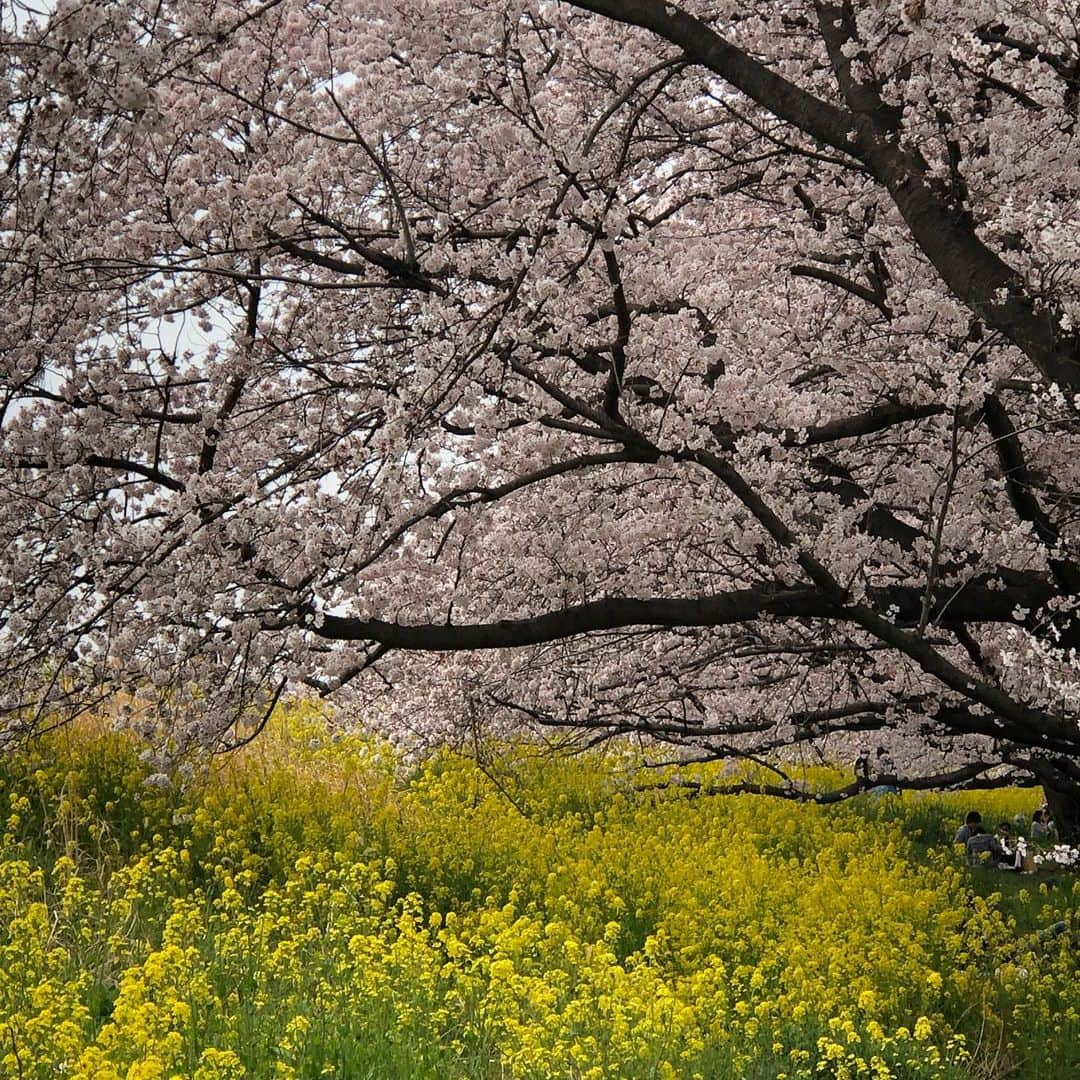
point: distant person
(1013, 845)
(972, 824)
(885, 773)
(862, 767)
(982, 841)
(1042, 827)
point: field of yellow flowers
(311, 908)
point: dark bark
(993, 290)
(702, 45)
(964, 778)
(1064, 803)
(977, 602)
(1060, 778)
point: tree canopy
(706, 371)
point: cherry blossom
(703, 373)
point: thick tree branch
(967, 777)
(841, 282)
(237, 383)
(704, 46)
(1020, 486)
(106, 461)
(879, 418)
(973, 603)
(994, 291)
(1018, 721)
(137, 468)
(811, 720)
(617, 373)
(401, 273)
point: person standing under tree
(862, 767)
(885, 773)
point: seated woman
(1042, 827)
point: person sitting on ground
(968, 829)
(1042, 827)
(1000, 856)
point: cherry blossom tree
(706, 373)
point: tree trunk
(1061, 788)
(1065, 810)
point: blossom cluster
(1059, 855)
(706, 369)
